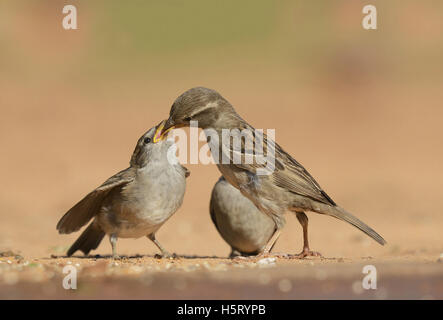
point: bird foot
(305, 253)
(116, 257)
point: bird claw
(305, 253)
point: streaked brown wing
(286, 173)
(297, 179)
(89, 206)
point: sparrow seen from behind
(245, 228)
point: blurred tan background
(361, 110)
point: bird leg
(165, 253)
(303, 219)
(271, 242)
(266, 252)
(113, 240)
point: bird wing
(292, 176)
(285, 172)
(89, 206)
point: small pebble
(8, 253)
(220, 267)
(136, 269)
(190, 268)
(266, 261)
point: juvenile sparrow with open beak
(135, 202)
(245, 228)
(287, 185)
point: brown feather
(89, 206)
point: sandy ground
(360, 110)
(142, 277)
(385, 167)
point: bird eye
(147, 140)
(187, 119)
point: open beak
(161, 133)
(163, 129)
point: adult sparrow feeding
(245, 228)
(135, 202)
(274, 189)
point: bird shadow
(176, 257)
(136, 256)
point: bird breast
(158, 192)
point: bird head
(206, 106)
(153, 145)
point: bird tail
(88, 240)
(342, 214)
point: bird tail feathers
(342, 214)
(88, 240)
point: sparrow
(245, 228)
(133, 203)
(285, 186)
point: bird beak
(164, 127)
(160, 132)
(169, 124)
